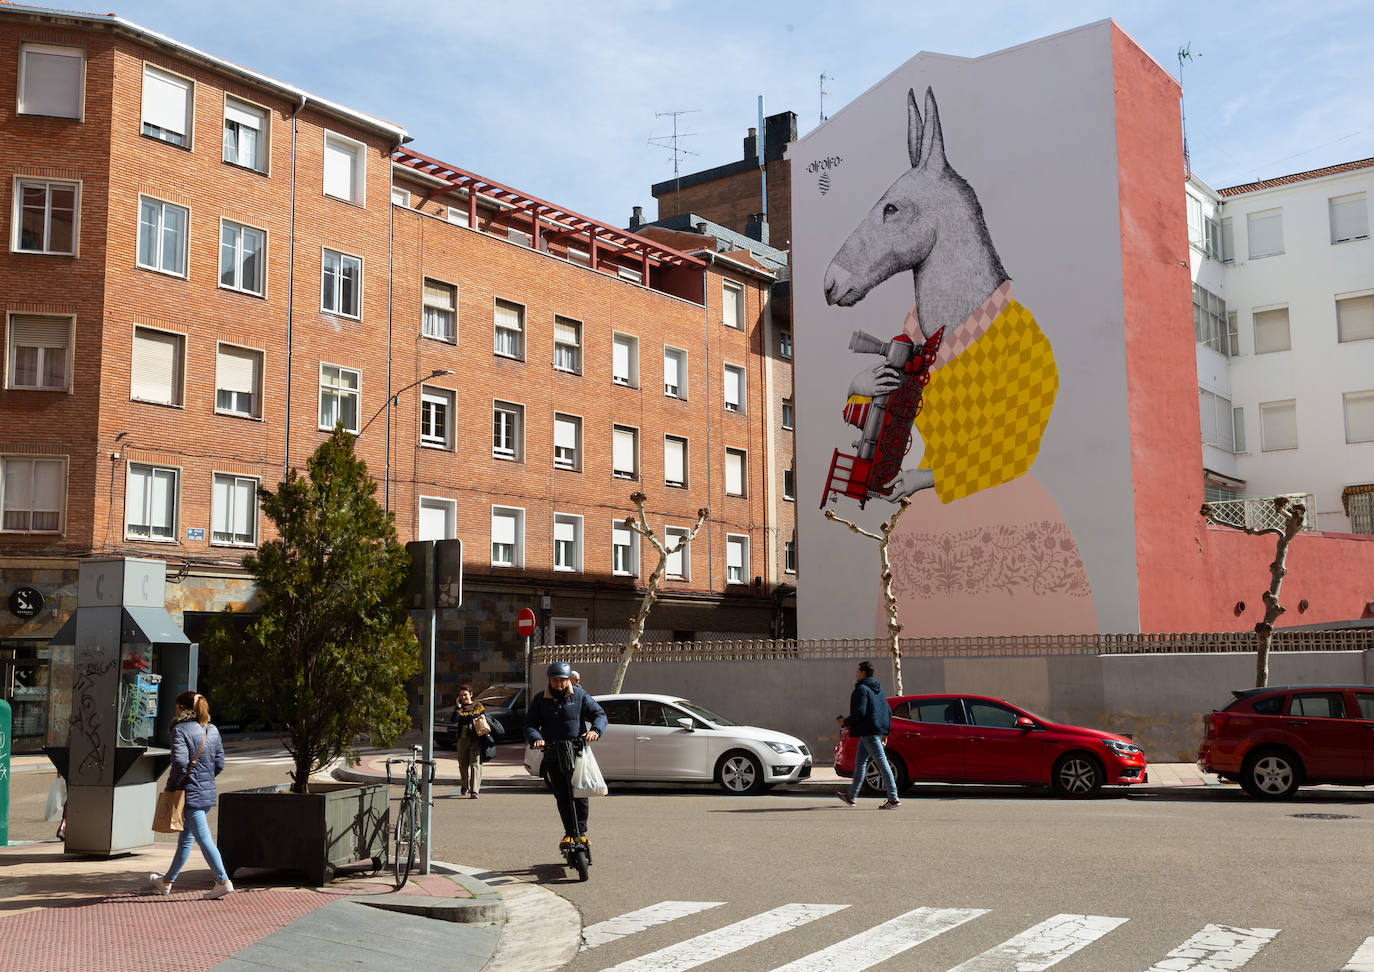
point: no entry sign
(524, 622)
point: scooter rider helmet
(559, 670)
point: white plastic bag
(587, 780)
(57, 799)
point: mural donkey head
(929, 222)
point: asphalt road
(1152, 872)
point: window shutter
(620, 535)
(620, 359)
(564, 333)
(623, 451)
(52, 83)
(1271, 331)
(165, 100)
(237, 370)
(245, 508)
(670, 370)
(1359, 417)
(1265, 231)
(673, 464)
(162, 492)
(156, 366)
(564, 433)
(734, 553)
(339, 161)
(507, 315)
(1228, 241)
(1355, 318)
(220, 518)
(1349, 218)
(433, 520)
(39, 332)
(136, 494)
(243, 115)
(1279, 426)
(438, 295)
(732, 389)
(1207, 412)
(731, 302)
(734, 472)
(503, 528)
(565, 531)
(677, 559)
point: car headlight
(781, 747)
(1122, 748)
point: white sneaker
(219, 890)
(159, 884)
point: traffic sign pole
(524, 626)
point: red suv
(978, 739)
(1273, 740)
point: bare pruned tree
(894, 627)
(1293, 514)
(640, 524)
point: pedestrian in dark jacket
(554, 723)
(469, 745)
(870, 719)
(197, 758)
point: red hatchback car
(1273, 740)
(977, 739)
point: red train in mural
(885, 420)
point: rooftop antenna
(1185, 53)
(824, 78)
(672, 143)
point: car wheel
(873, 780)
(1273, 774)
(739, 773)
(1076, 775)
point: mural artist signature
(823, 166)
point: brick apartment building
(209, 268)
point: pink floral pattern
(1039, 557)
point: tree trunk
(1294, 515)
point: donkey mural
(991, 379)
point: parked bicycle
(408, 833)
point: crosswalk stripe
(882, 942)
(636, 921)
(712, 945)
(1363, 959)
(1043, 945)
(1216, 947)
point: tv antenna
(673, 143)
(824, 78)
(1185, 53)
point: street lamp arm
(395, 397)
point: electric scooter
(578, 854)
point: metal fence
(1345, 639)
(1260, 513)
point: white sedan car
(663, 738)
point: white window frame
(43, 351)
(1364, 401)
(516, 556)
(619, 532)
(159, 243)
(507, 431)
(619, 434)
(785, 344)
(627, 374)
(567, 456)
(17, 217)
(400, 196)
(333, 289)
(679, 357)
(1272, 407)
(254, 393)
(1351, 210)
(1365, 321)
(336, 146)
(336, 391)
(1216, 415)
(438, 319)
(732, 304)
(741, 456)
(448, 508)
(177, 387)
(434, 399)
(512, 335)
(679, 563)
(238, 256)
(574, 365)
(163, 133)
(143, 529)
(10, 474)
(232, 138)
(789, 485)
(788, 418)
(1263, 219)
(737, 573)
(566, 521)
(789, 556)
(235, 537)
(740, 393)
(669, 442)
(42, 103)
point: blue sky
(559, 100)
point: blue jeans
(872, 746)
(197, 829)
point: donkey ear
(933, 142)
(914, 128)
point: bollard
(4, 773)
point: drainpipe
(706, 318)
(290, 289)
(390, 274)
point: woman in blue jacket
(197, 758)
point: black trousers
(557, 773)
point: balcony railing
(1259, 512)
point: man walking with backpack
(870, 720)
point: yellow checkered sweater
(991, 392)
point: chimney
(699, 227)
(751, 145)
(637, 220)
(756, 227)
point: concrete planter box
(332, 825)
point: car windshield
(496, 695)
(704, 713)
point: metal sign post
(524, 626)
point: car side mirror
(1025, 722)
(687, 724)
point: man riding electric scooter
(560, 720)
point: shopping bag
(479, 725)
(57, 799)
(587, 780)
(168, 818)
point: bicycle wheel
(405, 840)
